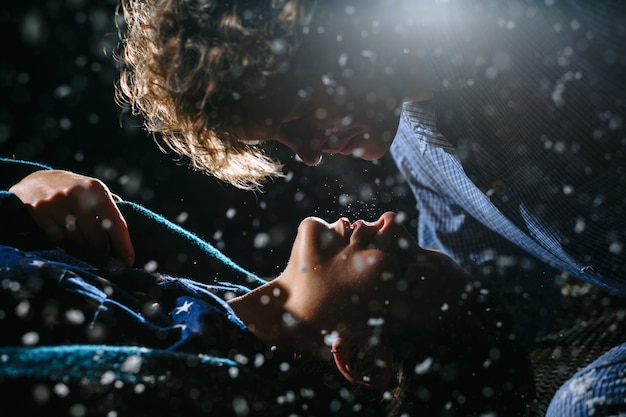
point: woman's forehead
(261, 117)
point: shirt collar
(420, 115)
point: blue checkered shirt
(520, 255)
(517, 163)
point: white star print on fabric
(184, 308)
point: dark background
(57, 108)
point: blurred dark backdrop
(57, 107)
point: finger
(69, 223)
(74, 234)
(114, 224)
(94, 235)
(103, 225)
(55, 231)
(70, 231)
(48, 222)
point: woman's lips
(347, 227)
(345, 137)
(348, 230)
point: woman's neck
(263, 311)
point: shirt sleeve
(15, 222)
(13, 170)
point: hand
(78, 209)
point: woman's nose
(308, 149)
(312, 159)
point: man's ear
(359, 370)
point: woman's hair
(473, 363)
(186, 65)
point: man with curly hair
(506, 118)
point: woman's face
(346, 275)
(342, 92)
(315, 113)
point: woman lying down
(362, 321)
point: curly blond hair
(186, 65)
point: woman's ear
(342, 354)
(359, 369)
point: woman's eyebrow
(300, 108)
(253, 132)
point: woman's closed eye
(302, 110)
